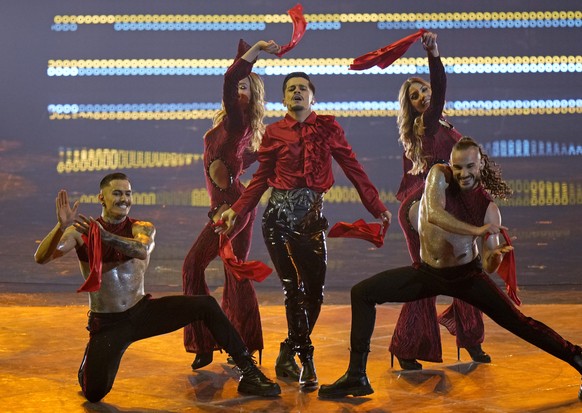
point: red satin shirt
(298, 155)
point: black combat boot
(253, 381)
(307, 377)
(578, 366)
(286, 366)
(354, 382)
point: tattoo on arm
(140, 246)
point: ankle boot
(201, 360)
(578, 366)
(285, 366)
(409, 364)
(307, 377)
(478, 355)
(354, 382)
(252, 380)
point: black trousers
(112, 333)
(299, 255)
(467, 282)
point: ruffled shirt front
(299, 155)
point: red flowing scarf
(299, 27)
(241, 270)
(250, 270)
(374, 232)
(385, 56)
(93, 242)
(507, 271)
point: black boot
(578, 366)
(286, 366)
(409, 364)
(478, 355)
(354, 382)
(308, 377)
(201, 360)
(253, 381)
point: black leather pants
(293, 229)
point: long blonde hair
(255, 111)
(411, 127)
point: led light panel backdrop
(101, 85)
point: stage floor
(42, 339)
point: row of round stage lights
(342, 18)
(316, 70)
(71, 27)
(448, 61)
(429, 25)
(486, 24)
(275, 106)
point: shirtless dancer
(121, 313)
(455, 211)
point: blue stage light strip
(529, 148)
(384, 21)
(161, 27)
(321, 66)
(187, 111)
(482, 24)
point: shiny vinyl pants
(296, 243)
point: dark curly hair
(490, 173)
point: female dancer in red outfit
(229, 148)
(427, 139)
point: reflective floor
(42, 342)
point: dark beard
(296, 108)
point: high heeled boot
(286, 366)
(252, 380)
(354, 382)
(308, 376)
(201, 360)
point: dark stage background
(99, 85)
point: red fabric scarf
(251, 270)
(385, 56)
(93, 241)
(374, 232)
(507, 271)
(299, 27)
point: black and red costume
(417, 334)
(296, 161)
(467, 282)
(110, 334)
(227, 142)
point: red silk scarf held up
(374, 232)
(387, 55)
(93, 242)
(299, 27)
